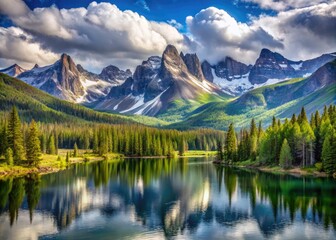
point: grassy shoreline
(296, 171)
(50, 164)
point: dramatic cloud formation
(286, 4)
(17, 44)
(101, 31)
(219, 34)
(305, 32)
(102, 34)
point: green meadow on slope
(220, 114)
(36, 104)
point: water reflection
(162, 198)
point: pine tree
(302, 116)
(286, 157)
(51, 149)
(182, 147)
(220, 151)
(9, 157)
(231, 144)
(329, 153)
(15, 137)
(33, 145)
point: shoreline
(20, 171)
(295, 171)
(49, 164)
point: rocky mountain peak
(230, 69)
(36, 66)
(13, 70)
(113, 74)
(172, 64)
(193, 64)
(68, 64)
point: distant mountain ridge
(66, 80)
(159, 82)
(237, 78)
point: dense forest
(297, 142)
(24, 143)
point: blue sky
(126, 32)
(163, 10)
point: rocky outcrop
(207, 71)
(193, 64)
(114, 75)
(230, 69)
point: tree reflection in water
(172, 195)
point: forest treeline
(298, 142)
(24, 143)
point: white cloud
(100, 30)
(18, 46)
(286, 4)
(306, 32)
(219, 35)
(102, 34)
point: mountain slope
(236, 78)
(275, 95)
(272, 65)
(157, 83)
(281, 99)
(34, 103)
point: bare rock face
(230, 69)
(114, 75)
(193, 64)
(207, 71)
(68, 75)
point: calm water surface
(160, 198)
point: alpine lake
(186, 198)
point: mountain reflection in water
(162, 198)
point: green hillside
(34, 103)
(220, 115)
(181, 109)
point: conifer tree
(329, 153)
(182, 147)
(231, 144)
(51, 149)
(286, 157)
(9, 157)
(33, 145)
(220, 151)
(15, 136)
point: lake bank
(50, 164)
(295, 171)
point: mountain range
(178, 87)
